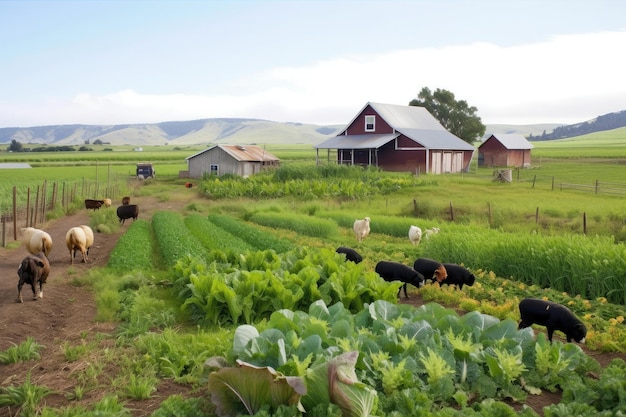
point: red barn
(399, 138)
(505, 150)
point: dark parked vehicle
(145, 170)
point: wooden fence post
(597, 186)
(44, 201)
(537, 216)
(584, 223)
(489, 214)
(534, 179)
(451, 212)
(36, 211)
(14, 217)
(28, 216)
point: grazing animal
(458, 275)
(432, 231)
(188, 185)
(431, 269)
(125, 201)
(395, 271)
(552, 315)
(107, 202)
(75, 239)
(415, 235)
(361, 228)
(93, 204)
(351, 254)
(130, 211)
(33, 270)
(89, 236)
(36, 240)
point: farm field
(152, 345)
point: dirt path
(67, 312)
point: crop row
(251, 286)
(234, 250)
(590, 266)
(423, 360)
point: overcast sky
(320, 62)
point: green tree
(458, 117)
(15, 146)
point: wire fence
(30, 206)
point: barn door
(457, 162)
(436, 163)
(447, 162)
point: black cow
(431, 269)
(458, 275)
(351, 254)
(93, 204)
(552, 315)
(395, 271)
(130, 211)
(33, 270)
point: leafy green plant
(25, 397)
(73, 353)
(247, 388)
(28, 350)
(178, 406)
(254, 284)
(138, 387)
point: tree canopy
(458, 117)
(15, 146)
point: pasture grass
(25, 397)
(28, 350)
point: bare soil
(67, 314)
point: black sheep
(33, 270)
(351, 254)
(431, 269)
(458, 275)
(395, 271)
(552, 315)
(130, 211)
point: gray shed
(242, 160)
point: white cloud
(564, 79)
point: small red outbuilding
(505, 150)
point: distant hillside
(205, 131)
(608, 121)
(251, 131)
(524, 130)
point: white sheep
(36, 240)
(361, 228)
(89, 237)
(415, 235)
(76, 240)
(107, 202)
(429, 232)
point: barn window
(214, 169)
(370, 123)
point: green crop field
(242, 290)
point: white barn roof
(512, 141)
(414, 122)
